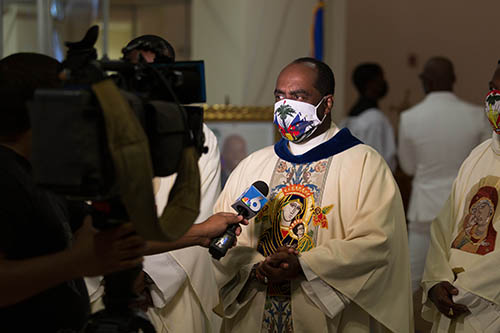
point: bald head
(438, 75)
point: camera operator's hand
(441, 295)
(103, 252)
(215, 225)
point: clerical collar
(328, 144)
(299, 149)
(495, 143)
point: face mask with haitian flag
(296, 120)
(492, 109)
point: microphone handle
(219, 245)
(232, 228)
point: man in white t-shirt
(435, 137)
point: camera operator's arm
(92, 253)
(199, 234)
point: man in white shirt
(435, 137)
(365, 120)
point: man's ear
(328, 104)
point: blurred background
(245, 43)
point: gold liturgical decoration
(221, 112)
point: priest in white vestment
(461, 281)
(328, 253)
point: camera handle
(119, 314)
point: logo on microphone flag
(253, 199)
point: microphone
(247, 205)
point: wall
(246, 43)
(19, 29)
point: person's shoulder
(359, 161)
(473, 161)
(466, 105)
(375, 116)
(479, 149)
(371, 114)
(361, 152)
(366, 121)
(413, 111)
(210, 138)
(261, 155)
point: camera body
(70, 149)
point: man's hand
(441, 295)
(215, 225)
(103, 252)
(280, 266)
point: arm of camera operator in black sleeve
(92, 253)
(199, 234)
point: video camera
(103, 137)
(70, 154)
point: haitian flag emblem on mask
(492, 109)
(296, 120)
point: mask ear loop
(317, 106)
(321, 122)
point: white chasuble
(464, 246)
(339, 206)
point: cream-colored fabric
(330, 301)
(363, 254)
(184, 313)
(480, 276)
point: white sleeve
(380, 135)
(329, 300)
(165, 269)
(484, 315)
(210, 175)
(406, 148)
(95, 287)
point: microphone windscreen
(262, 187)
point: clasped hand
(281, 266)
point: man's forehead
(300, 75)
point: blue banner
(317, 32)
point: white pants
(419, 236)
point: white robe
(184, 281)
(360, 250)
(374, 129)
(453, 246)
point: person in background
(365, 120)
(435, 137)
(234, 150)
(460, 280)
(178, 283)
